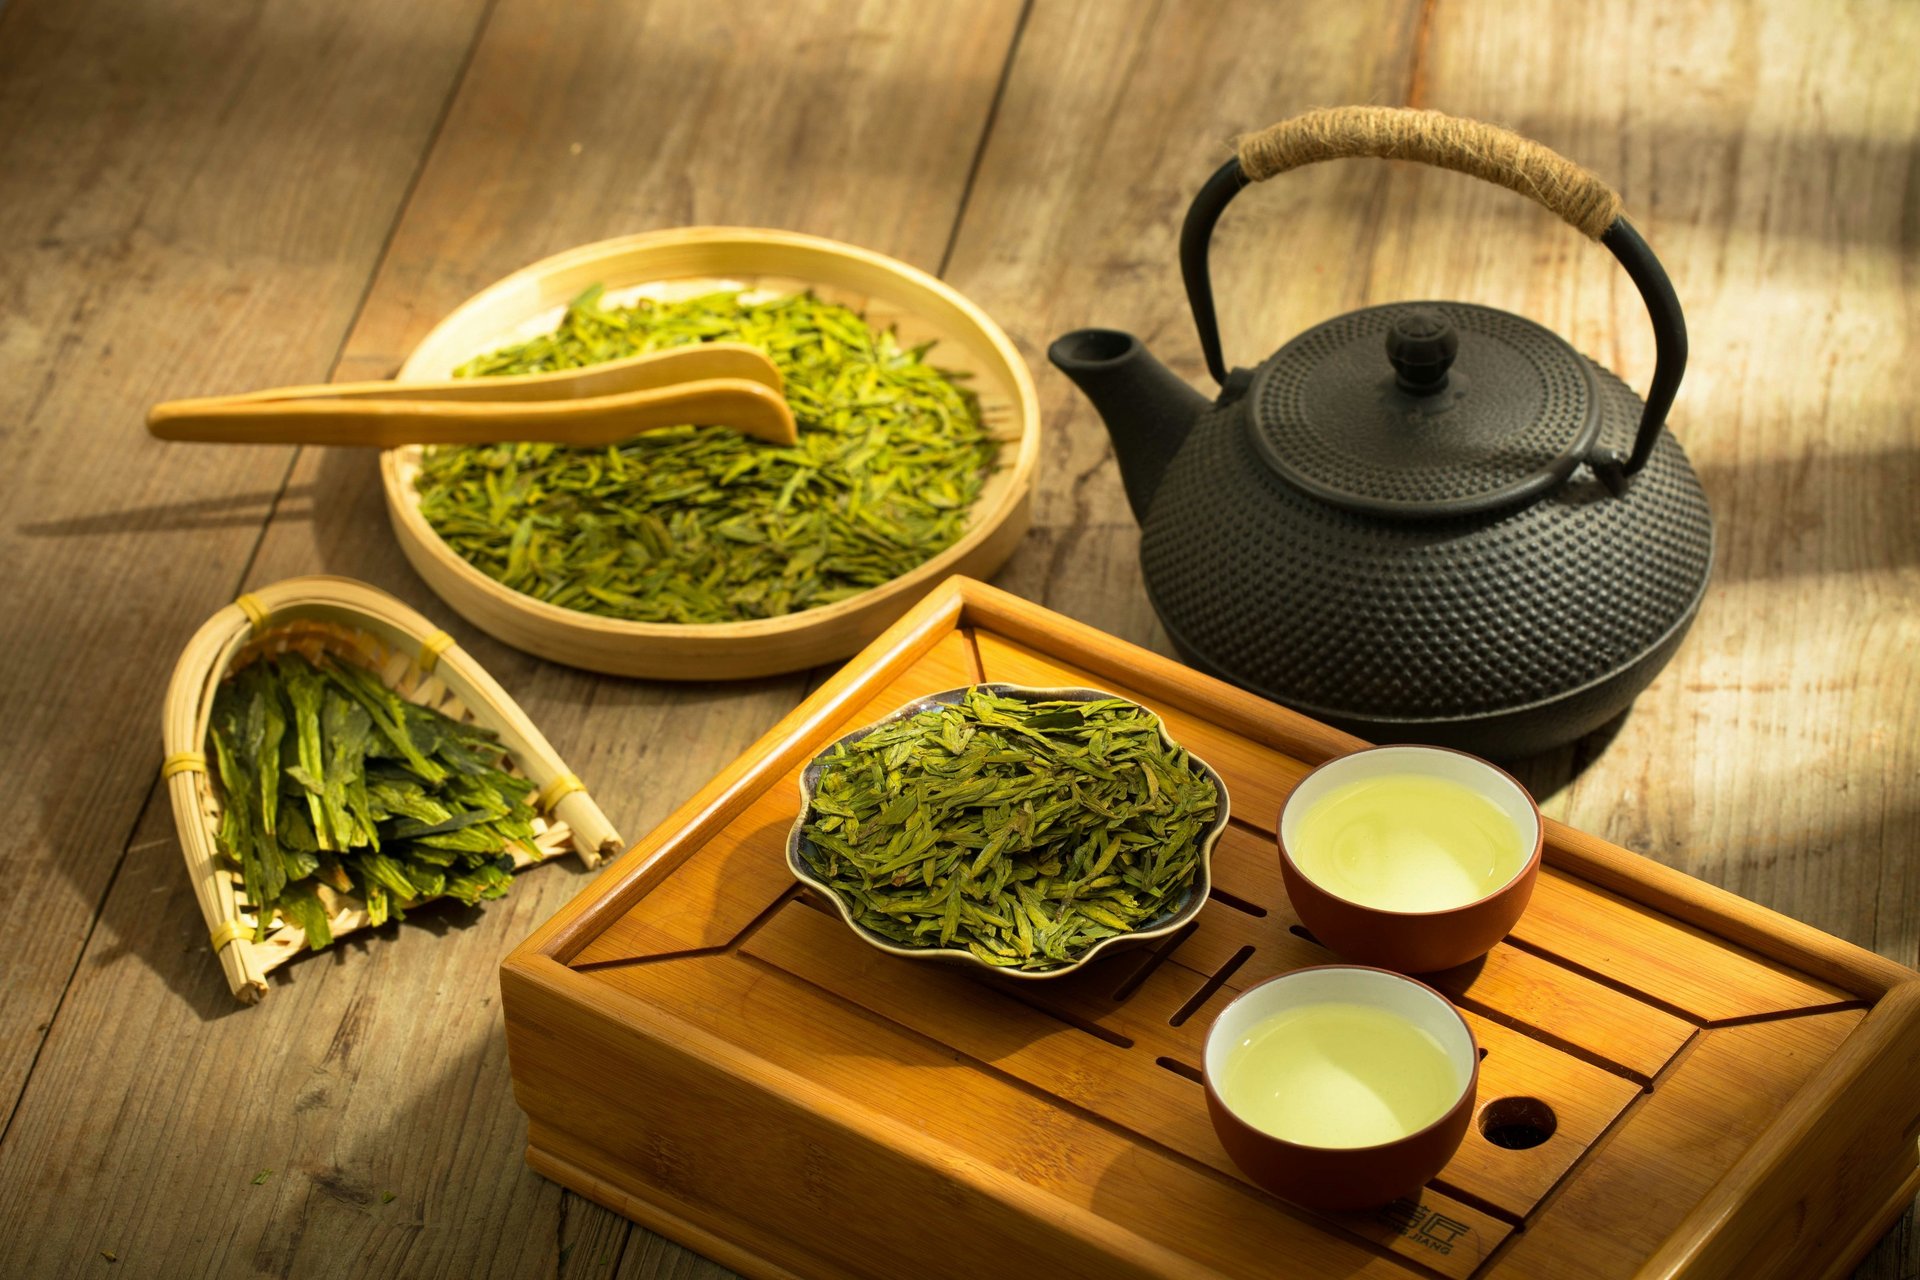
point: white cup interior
(1432, 762)
(1402, 997)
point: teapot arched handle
(1466, 146)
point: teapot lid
(1425, 409)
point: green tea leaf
(327, 776)
(1021, 832)
(345, 727)
(302, 906)
(704, 525)
(305, 690)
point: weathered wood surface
(161, 227)
(197, 198)
(382, 1069)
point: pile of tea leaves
(701, 524)
(1023, 832)
(329, 777)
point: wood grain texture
(739, 874)
(188, 199)
(1766, 152)
(1741, 1228)
(1619, 941)
(1673, 962)
(1114, 114)
(1768, 159)
(1006, 1035)
(1775, 185)
(1081, 1191)
(388, 1072)
(797, 1052)
(1713, 1105)
(194, 198)
(1549, 999)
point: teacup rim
(1527, 864)
(1470, 1090)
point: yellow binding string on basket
(562, 786)
(183, 762)
(256, 612)
(229, 931)
(431, 648)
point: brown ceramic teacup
(1379, 882)
(1341, 1087)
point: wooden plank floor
(197, 196)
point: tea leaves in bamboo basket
(329, 777)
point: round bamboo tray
(421, 663)
(679, 263)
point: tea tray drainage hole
(1516, 1123)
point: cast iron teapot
(1428, 522)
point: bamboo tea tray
(1720, 1090)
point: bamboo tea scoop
(715, 384)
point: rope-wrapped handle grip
(1466, 146)
(1447, 142)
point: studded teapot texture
(1324, 406)
(1358, 617)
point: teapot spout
(1147, 408)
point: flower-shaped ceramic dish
(1159, 926)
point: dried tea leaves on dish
(1022, 832)
(700, 524)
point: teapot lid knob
(1421, 442)
(1421, 345)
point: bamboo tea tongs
(714, 384)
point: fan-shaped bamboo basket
(422, 664)
(679, 263)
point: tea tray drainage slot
(1516, 1123)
